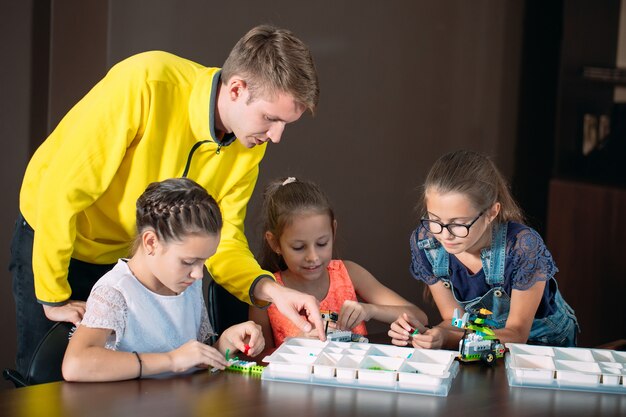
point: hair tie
(289, 180)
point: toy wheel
(488, 357)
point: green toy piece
(237, 365)
(245, 367)
(479, 342)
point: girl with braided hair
(147, 315)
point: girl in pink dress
(299, 233)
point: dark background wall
(402, 82)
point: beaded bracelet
(140, 364)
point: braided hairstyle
(176, 208)
(283, 200)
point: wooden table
(476, 391)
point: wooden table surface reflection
(476, 391)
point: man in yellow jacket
(156, 116)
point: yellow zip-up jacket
(150, 118)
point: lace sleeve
(106, 309)
(420, 268)
(206, 330)
(531, 260)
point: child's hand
(245, 337)
(352, 313)
(404, 329)
(194, 353)
(430, 339)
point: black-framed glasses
(459, 230)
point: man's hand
(302, 309)
(72, 312)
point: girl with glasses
(473, 251)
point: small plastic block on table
(360, 365)
(578, 369)
(340, 336)
(345, 336)
(245, 367)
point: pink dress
(340, 290)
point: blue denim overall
(558, 329)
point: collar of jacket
(203, 100)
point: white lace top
(142, 320)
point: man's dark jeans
(32, 323)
